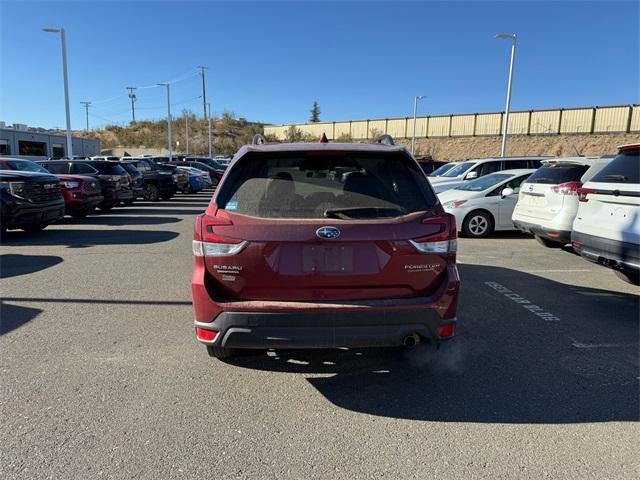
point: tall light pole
(132, 96)
(209, 119)
(63, 39)
(169, 138)
(86, 111)
(204, 93)
(415, 111)
(505, 130)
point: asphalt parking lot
(101, 376)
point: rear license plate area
(327, 259)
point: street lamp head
(51, 30)
(506, 36)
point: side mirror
(471, 175)
(506, 192)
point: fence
(585, 120)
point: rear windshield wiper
(620, 178)
(363, 212)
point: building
(38, 144)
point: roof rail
(384, 139)
(258, 139)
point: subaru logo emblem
(328, 232)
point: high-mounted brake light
(583, 192)
(569, 188)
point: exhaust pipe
(411, 340)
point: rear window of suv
(625, 168)
(347, 185)
(554, 174)
(108, 168)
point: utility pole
(132, 96)
(86, 109)
(204, 93)
(169, 139)
(209, 119)
(186, 127)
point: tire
(153, 193)
(630, 277)
(214, 182)
(545, 242)
(35, 228)
(220, 352)
(477, 224)
(106, 208)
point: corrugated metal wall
(618, 119)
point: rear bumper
(615, 254)
(323, 329)
(561, 236)
(278, 324)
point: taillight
(444, 241)
(569, 188)
(583, 192)
(214, 244)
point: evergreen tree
(315, 113)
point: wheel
(153, 193)
(35, 228)
(630, 277)
(220, 352)
(106, 208)
(477, 224)
(214, 182)
(548, 243)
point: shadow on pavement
(74, 238)
(13, 316)
(14, 265)
(118, 220)
(507, 364)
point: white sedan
(486, 204)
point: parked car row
(592, 203)
(35, 195)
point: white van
(472, 169)
(607, 227)
(548, 199)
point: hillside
(228, 134)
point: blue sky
(268, 61)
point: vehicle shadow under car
(79, 238)
(507, 364)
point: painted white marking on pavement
(554, 271)
(523, 302)
(596, 294)
(600, 345)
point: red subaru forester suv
(321, 245)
